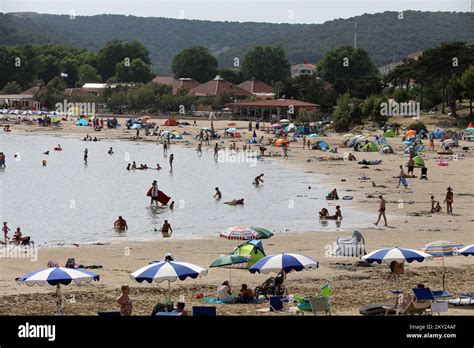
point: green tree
(467, 81)
(53, 93)
(11, 88)
(231, 75)
(268, 64)
(342, 115)
(347, 67)
(70, 67)
(196, 63)
(88, 74)
(138, 71)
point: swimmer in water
(218, 194)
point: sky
(274, 11)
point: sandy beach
(411, 225)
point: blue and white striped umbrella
(160, 271)
(396, 254)
(467, 250)
(57, 275)
(283, 263)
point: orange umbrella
(147, 118)
(410, 133)
(280, 142)
(470, 125)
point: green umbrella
(229, 260)
(264, 234)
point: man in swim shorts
(383, 202)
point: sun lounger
(168, 314)
(463, 300)
(320, 304)
(204, 311)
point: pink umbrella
(277, 125)
(239, 233)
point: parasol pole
(443, 272)
(59, 300)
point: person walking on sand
(431, 147)
(86, 154)
(304, 142)
(309, 144)
(449, 200)
(285, 151)
(383, 202)
(401, 178)
(5, 230)
(171, 162)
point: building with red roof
(217, 86)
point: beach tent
(352, 246)
(320, 145)
(386, 149)
(171, 122)
(280, 142)
(235, 135)
(231, 130)
(314, 135)
(389, 133)
(252, 250)
(82, 123)
(303, 130)
(410, 133)
(438, 133)
(290, 128)
(370, 147)
(419, 162)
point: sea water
(67, 201)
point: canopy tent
(386, 149)
(389, 133)
(353, 246)
(370, 147)
(171, 122)
(291, 128)
(419, 162)
(82, 123)
(280, 142)
(252, 250)
(321, 145)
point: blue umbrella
(57, 276)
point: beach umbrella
(283, 263)
(239, 233)
(228, 261)
(147, 118)
(231, 124)
(442, 248)
(167, 270)
(276, 125)
(284, 121)
(57, 276)
(466, 251)
(397, 254)
(263, 233)
(313, 135)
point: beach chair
(204, 311)
(320, 304)
(277, 303)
